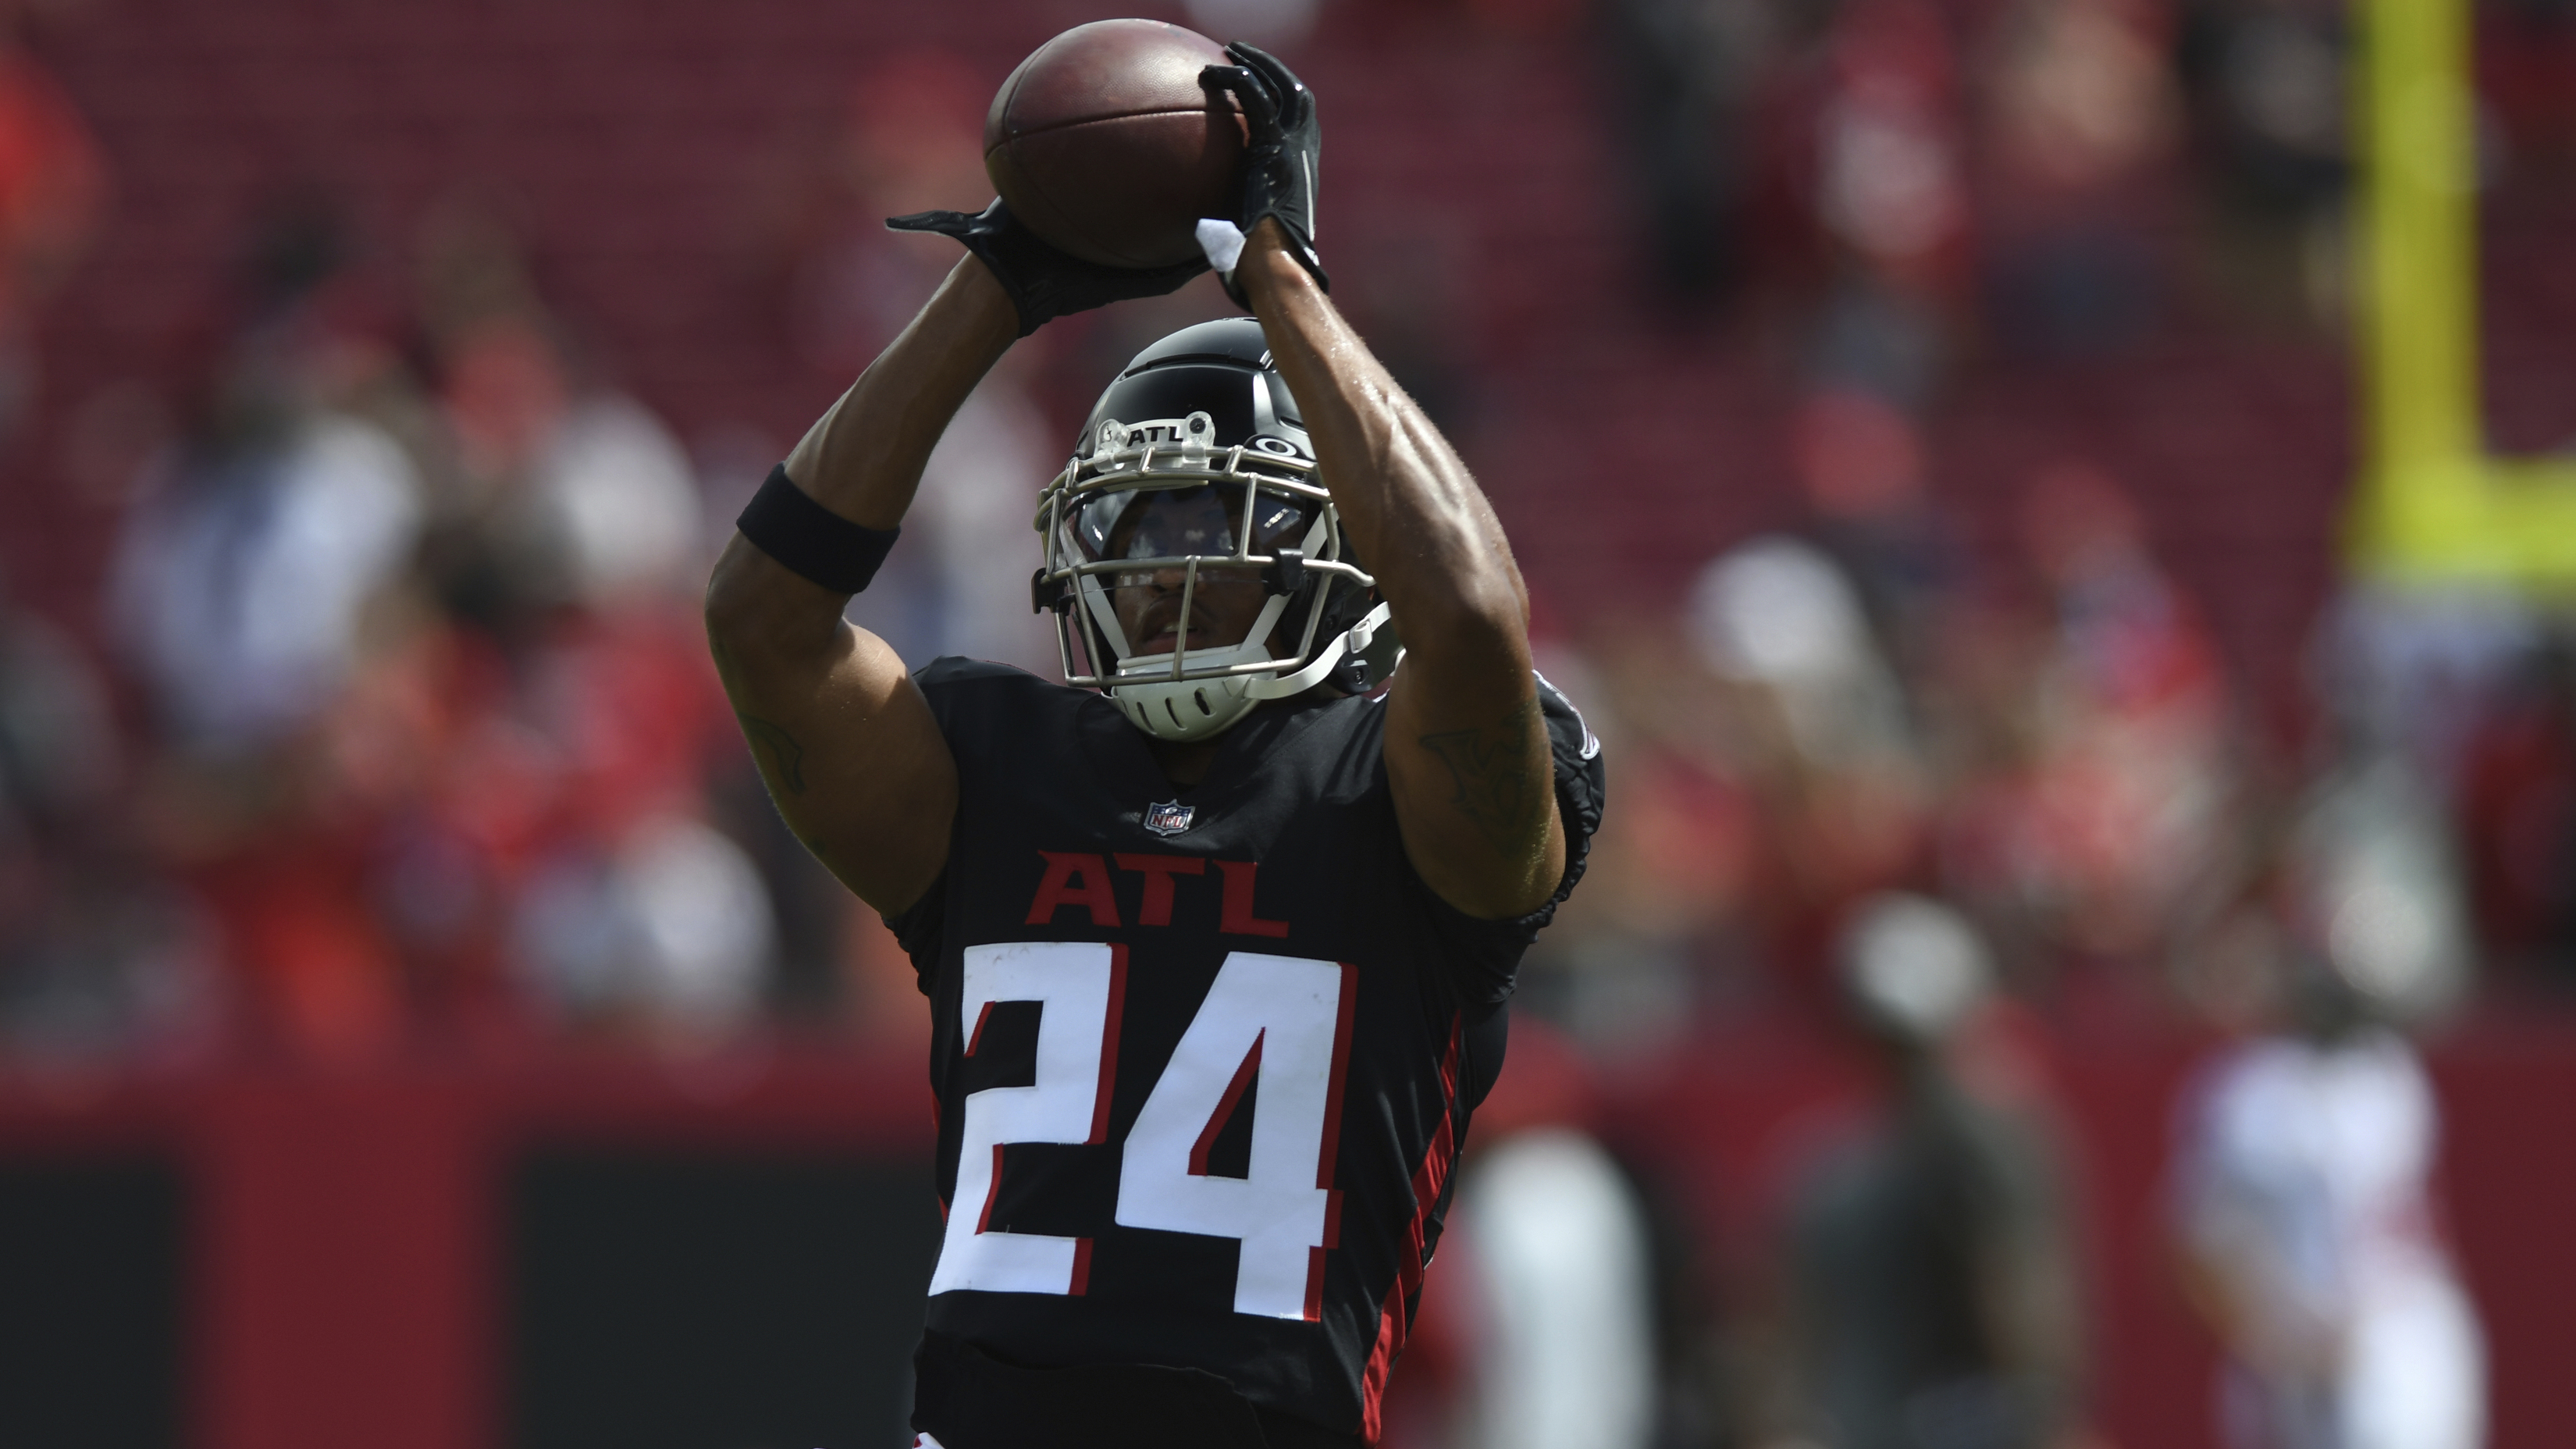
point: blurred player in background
(2309, 1234)
(1554, 1301)
(1931, 1296)
(1216, 962)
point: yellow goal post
(2433, 506)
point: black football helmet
(1196, 458)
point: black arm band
(811, 540)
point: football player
(1217, 939)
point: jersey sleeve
(920, 929)
(1488, 953)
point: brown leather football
(1103, 143)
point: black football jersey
(1203, 1057)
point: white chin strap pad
(1197, 709)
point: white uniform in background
(1556, 1244)
(2306, 1169)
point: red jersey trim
(1428, 1180)
(1225, 1105)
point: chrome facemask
(1294, 546)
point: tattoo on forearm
(1497, 787)
(786, 757)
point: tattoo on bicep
(786, 757)
(1496, 787)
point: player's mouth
(1170, 640)
(1161, 628)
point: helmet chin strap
(1200, 709)
(1354, 640)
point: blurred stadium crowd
(387, 729)
(395, 707)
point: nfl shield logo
(1169, 818)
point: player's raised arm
(1466, 748)
(844, 740)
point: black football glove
(1043, 282)
(1283, 140)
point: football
(1104, 145)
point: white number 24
(1280, 1020)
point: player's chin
(1162, 636)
